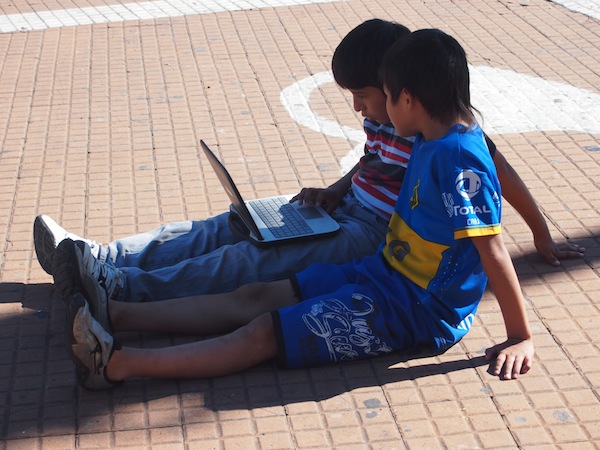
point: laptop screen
(231, 189)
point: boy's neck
(434, 129)
(431, 128)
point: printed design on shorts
(346, 331)
(460, 331)
(466, 324)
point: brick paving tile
(103, 106)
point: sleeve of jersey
(472, 196)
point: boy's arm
(516, 193)
(515, 355)
(329, 198)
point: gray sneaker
(89, 345)
(77, 270)
(47, 234)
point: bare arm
(516, 193)
(515, 355)
(329, 198)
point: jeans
(204, 257)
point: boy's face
(400, 115)
(370, 102)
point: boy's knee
(267, 296)
(261, 333)
(251, 300)
(251, 291)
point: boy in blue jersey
(421, 288)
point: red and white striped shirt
(376, 184)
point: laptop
(272, 219)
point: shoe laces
(98, 362)
(108, 277)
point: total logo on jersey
(468, 184)
(463, 210)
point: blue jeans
(203, 257)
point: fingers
(507, 365)
(497, 365)
(551, 259)
(526, 366)
(491, 353)
(569, 251)
(311, 197)
(515, 366)
(512, 367)
(554, 253)
(320, 198)
(304, 196)
(501, 367)
(299, 197)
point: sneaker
(47, 234)
(77, 270)
(89, 345)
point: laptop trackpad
(308, 212)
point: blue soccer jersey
(450, 193)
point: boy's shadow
(42, 398)
(268, 387)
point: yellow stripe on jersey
(477, 232)
(410, 254)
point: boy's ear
(407, 98)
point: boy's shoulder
(386, 131)
(461, 138)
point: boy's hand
(553, 252)
(328, 198)
(514, 357)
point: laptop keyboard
(280, 217)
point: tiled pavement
(98, 128)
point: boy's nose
(358, 105)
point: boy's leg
(231, 266)
(100, 361)
(161, 247)
(245, 347)
(203, 315)
(170, 244)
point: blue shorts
(357, 310)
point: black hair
(432, 66)
(357, 58)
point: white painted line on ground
(41, 20)
(510, 102)
(587, 7)
(296, 100)
(516, 103)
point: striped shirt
(376, 184)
